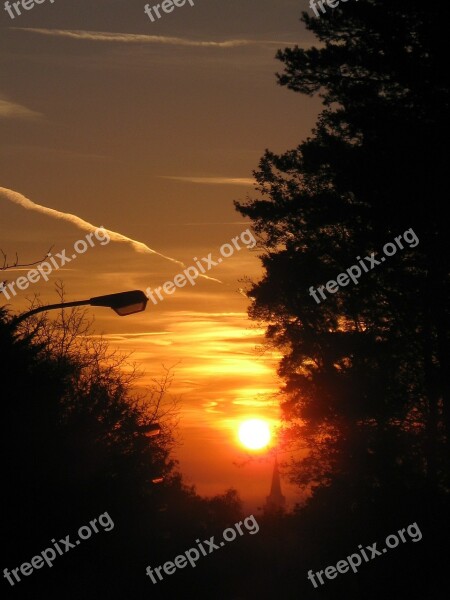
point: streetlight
(123, 303)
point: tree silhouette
(75, 446)
(366, 370)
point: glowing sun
(254, 434)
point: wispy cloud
(135, 38)
(16, 198)
(213, 180)
(12, 110)
(140, 247)
(219, 367)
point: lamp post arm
(39, 309)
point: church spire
(275, 501)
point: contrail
(17, 198)
(134, 38)
(140, 247)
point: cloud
(12, 110)
(213, 180)
(218, 365)
(24, 202)
(135, 38)
(140, 247)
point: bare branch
(16, 263)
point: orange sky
(154, 138)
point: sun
(254, 434)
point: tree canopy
(367, 368)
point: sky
(151, 130)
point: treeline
(75, 445)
